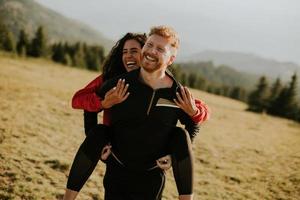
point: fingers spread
(110, 91)
(183, 94)
(125, 97)
(188, 94)
(119, 85)
(124, 90)
(180, 100)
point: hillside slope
(238, 155)
(28, 15)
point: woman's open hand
(116, 95)
(186, 101)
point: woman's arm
(202, 113)
(86, 98)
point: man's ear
(172, 59)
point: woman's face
(131, 55)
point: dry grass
(238, 155)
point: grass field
(238, 155)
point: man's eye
(160, 50)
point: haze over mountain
(28, 15)
(214, 31)
(249, 63)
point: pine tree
(58, 53)
(211, 88)
(285, 104)
(3, 34)
(79, 56)
(274, 93)
(183, 79)
(275, 89)
(201, 83)
(23, 43)
(298, 114)
(67, 59)
(257, 100)
(70, 49)
(9, 43)
(92, 59)
(39, 43)
(238, 93)
(191, 80)
(175, 69)
(225, 91)
(100, 53)
(217, 91)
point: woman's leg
(182, 162)
(86, 159)
(90, 120)
(70, 195)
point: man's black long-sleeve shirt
(142, 124)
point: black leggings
(89, 154)
(120, 183)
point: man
(143, 123)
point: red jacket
(87, 99)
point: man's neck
(157, 79)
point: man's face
(131, 55)
(156, 54)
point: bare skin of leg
(186, 197)
(70, 194)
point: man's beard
(153, 66)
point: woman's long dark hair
(113, 65)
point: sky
(268, 28)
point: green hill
(248, 63)
(28, 15)
(221, 75)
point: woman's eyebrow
(133, 48)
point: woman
(124, 57)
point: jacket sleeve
(203, 112)
(87, 98)
(191, 127)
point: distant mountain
(28, 15)
(221, 75)
(248, 63)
